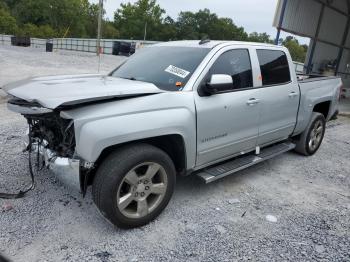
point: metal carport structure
(326, 23)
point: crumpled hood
(54, 91)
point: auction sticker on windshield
(177, 71)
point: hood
(54, 91)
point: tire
(304, 144)
(133, 185)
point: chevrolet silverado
(208, 108)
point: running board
(232, 166)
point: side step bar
(239, 163)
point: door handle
(293, 94)
(253, 101)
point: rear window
(274, 67)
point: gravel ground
(290, 208)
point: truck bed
(313, 77)
(316, 89)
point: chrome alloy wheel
(316, 135)
(142, 190)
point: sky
(253, 15)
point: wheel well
(323, 108)
(173, 145)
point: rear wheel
(133, 185)
(310, 140)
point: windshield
(168, 68)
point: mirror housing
(218, 83)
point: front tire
(310, 140)
(134, 184)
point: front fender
(96, 135)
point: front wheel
(133, 185)
(310, 140)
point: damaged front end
(52, 138)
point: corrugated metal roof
(338, 4)
(301, 18)
(332, 26)
(347, 42)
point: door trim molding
(226, 145)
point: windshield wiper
(130, 78)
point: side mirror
(218, 83)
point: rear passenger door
(279, 97)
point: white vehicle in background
(299, 67)
(208, 108)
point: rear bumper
(67, 170)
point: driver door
(227, 122)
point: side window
(235, 63)
(274, 67)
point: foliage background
(78, 18)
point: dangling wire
(21, 193)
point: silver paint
(238, 121)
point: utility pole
(99, 25)
(145, 33)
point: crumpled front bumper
(66, 170)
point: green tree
(260, 37)
(42, 31)
(91, 20)
(35, 12)
(204, 23)
(130, 20)
(8, 23)
(229, 31)
(3, 5)
(297, 51)
(187, 26)
(9, 3)
(28, 30)
(109, 31)
(168, 30)
(71, 15)
(63, 15)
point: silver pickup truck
(208, 108)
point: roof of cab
(210, 44)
